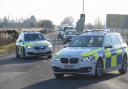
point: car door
(116, 53)
(121, 49)
(109, 51)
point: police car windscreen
(33, 37)
(87, 41)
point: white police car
(33, 44)
(92, 53)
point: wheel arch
(100, 59)
(124, 55)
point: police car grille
(37, 48)
(70, 60)
(74, 60)
(64, 60)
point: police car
(92, 53)
(33, 44)
(69, 35)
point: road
(36, 73)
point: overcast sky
(57, 10)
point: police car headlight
(88, 58)
(50, 46)
(29, 47)
(56, 58)
(64, 36)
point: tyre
(23, 53)
(49, 56)
(123, 70)
(59, 76)
(17, 55)
(99, 69)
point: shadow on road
(20, 61)
(70, 82)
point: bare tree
(67, 21)
(90, 26)
(32, 21)
(98, 23)
(18, 23)
(47, 24)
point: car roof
(70, 30)
(98, 33)
(32, 32)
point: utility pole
(83, 7)
(81, 21)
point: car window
(20, 37)
(115, 40)
(108, 41)
(120, 39)
(87, 41)
(34, 37)
(65, 28)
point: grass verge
(7, 48)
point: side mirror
(20, 40)
(108, 46)
(48, 39)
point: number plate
(39, 51)
(42, 47)
(71, 66)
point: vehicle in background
(69, 35)
(33, 44)
(63, 29)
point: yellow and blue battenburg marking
(111, 57)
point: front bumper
(40, 52)
(87, 67)
(75, 71)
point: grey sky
(57, 10)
